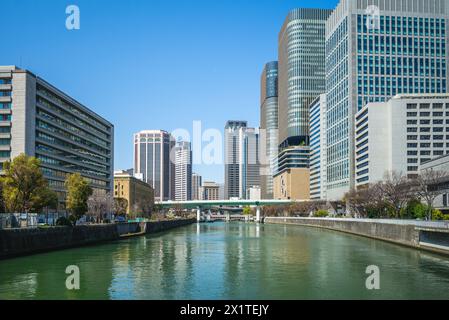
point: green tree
(2, 199)
(321, 213)
(247, 211)
(78, 193)
(24, 185)
(45, 198)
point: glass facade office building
(318, 167)
(301, 72)
(269, 127)
(375, 50)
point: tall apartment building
(249, 160)
(210, 191)
(39, 120)
(152, 160)
(232, 158)
(269, 127)
(301, 72)
(183, 171)
(374, 50)
(400, 135)
(242, 164)
(318, 168)
(197, 183)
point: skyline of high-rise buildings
(370, 52)
(398, 47)
(331, 64)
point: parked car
(120, 219)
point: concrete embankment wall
(19, 242)
(159, 226)
(409, 233)
(16, 242)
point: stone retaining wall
(159, 226)
(18, 242)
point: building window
(5, 154)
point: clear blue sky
(152, 64)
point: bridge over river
(200, 205)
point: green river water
(231, 261)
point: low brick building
(139, 194)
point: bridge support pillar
(258, 214)
(198, 214)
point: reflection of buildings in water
(122, 286)
(23, 284)
(243, 261)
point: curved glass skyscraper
(301, 72)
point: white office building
(183, 171)
(400, 135)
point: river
(231, 261)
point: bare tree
(100, 203)
(120, 207)
(365, 200)
(143, 208)
(396, 190)
(426, 186)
